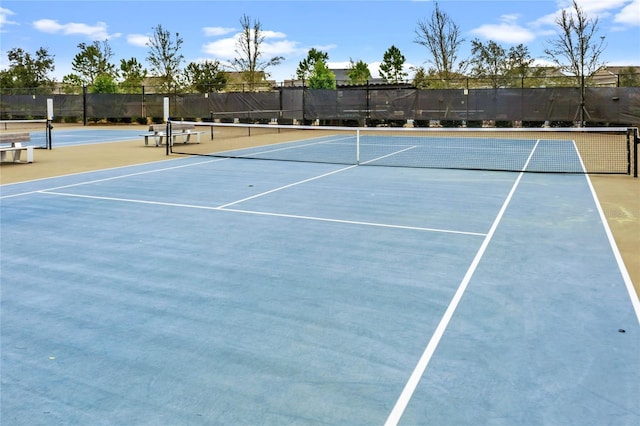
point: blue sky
(346, 30)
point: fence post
(84, 105)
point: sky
(346, 30)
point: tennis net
(550, 150)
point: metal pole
(168, 138)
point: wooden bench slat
(15, 137)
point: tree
(248, 46)
(519, 62)
(488, 61)
(93, 61)
(72, 84)
(441, 36)
(391, 68)
(576, 50)
(133, 75)
(306, 66)
(420, 78)
(206, 76)
(500, 66)
(358, 72)
(628, 77)
(104, 83)
(28, 71)
(164, 57)
(322, 77)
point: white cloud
(343, 65)
(4, 18)
(138, 40)
(601, 8)
(507, 31)
(93, 32)
(624, 11)
(225, 48)
(325, 48)
(629, 15)
(217, 31)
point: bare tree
(164, 57)
(441, 36)
(577, 48)
(249, 61)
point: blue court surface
(69, 136)
(200, 291)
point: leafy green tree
(207, 76)
(322, 77)
(391, 68)
(500, 66)
(358, 72)
(441, 36)
(248, 48)
(165, 58)
(28, 71)
(93, 61)
(420, 78)
(72, 84)
(133, 75)
(104, 83)
(629, 77)
(520, 62)
(306, 66)
(488, 61)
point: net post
(358, 146)
(48, 139)
(636, 144)
(168, 137)
(48, 123)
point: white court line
(225, 207)
(418, 372)
(283, 215)
(635, 298)
(71, 185)
(355, 222)
(389, 155)
(287, 186)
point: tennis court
(225, 290)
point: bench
(12, 143)
(178, 130)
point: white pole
(358, 146)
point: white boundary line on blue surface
(421, 366)
(635, 298)
(259, 213)
(92, 181)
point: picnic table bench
(178, 130)
(13, 143)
